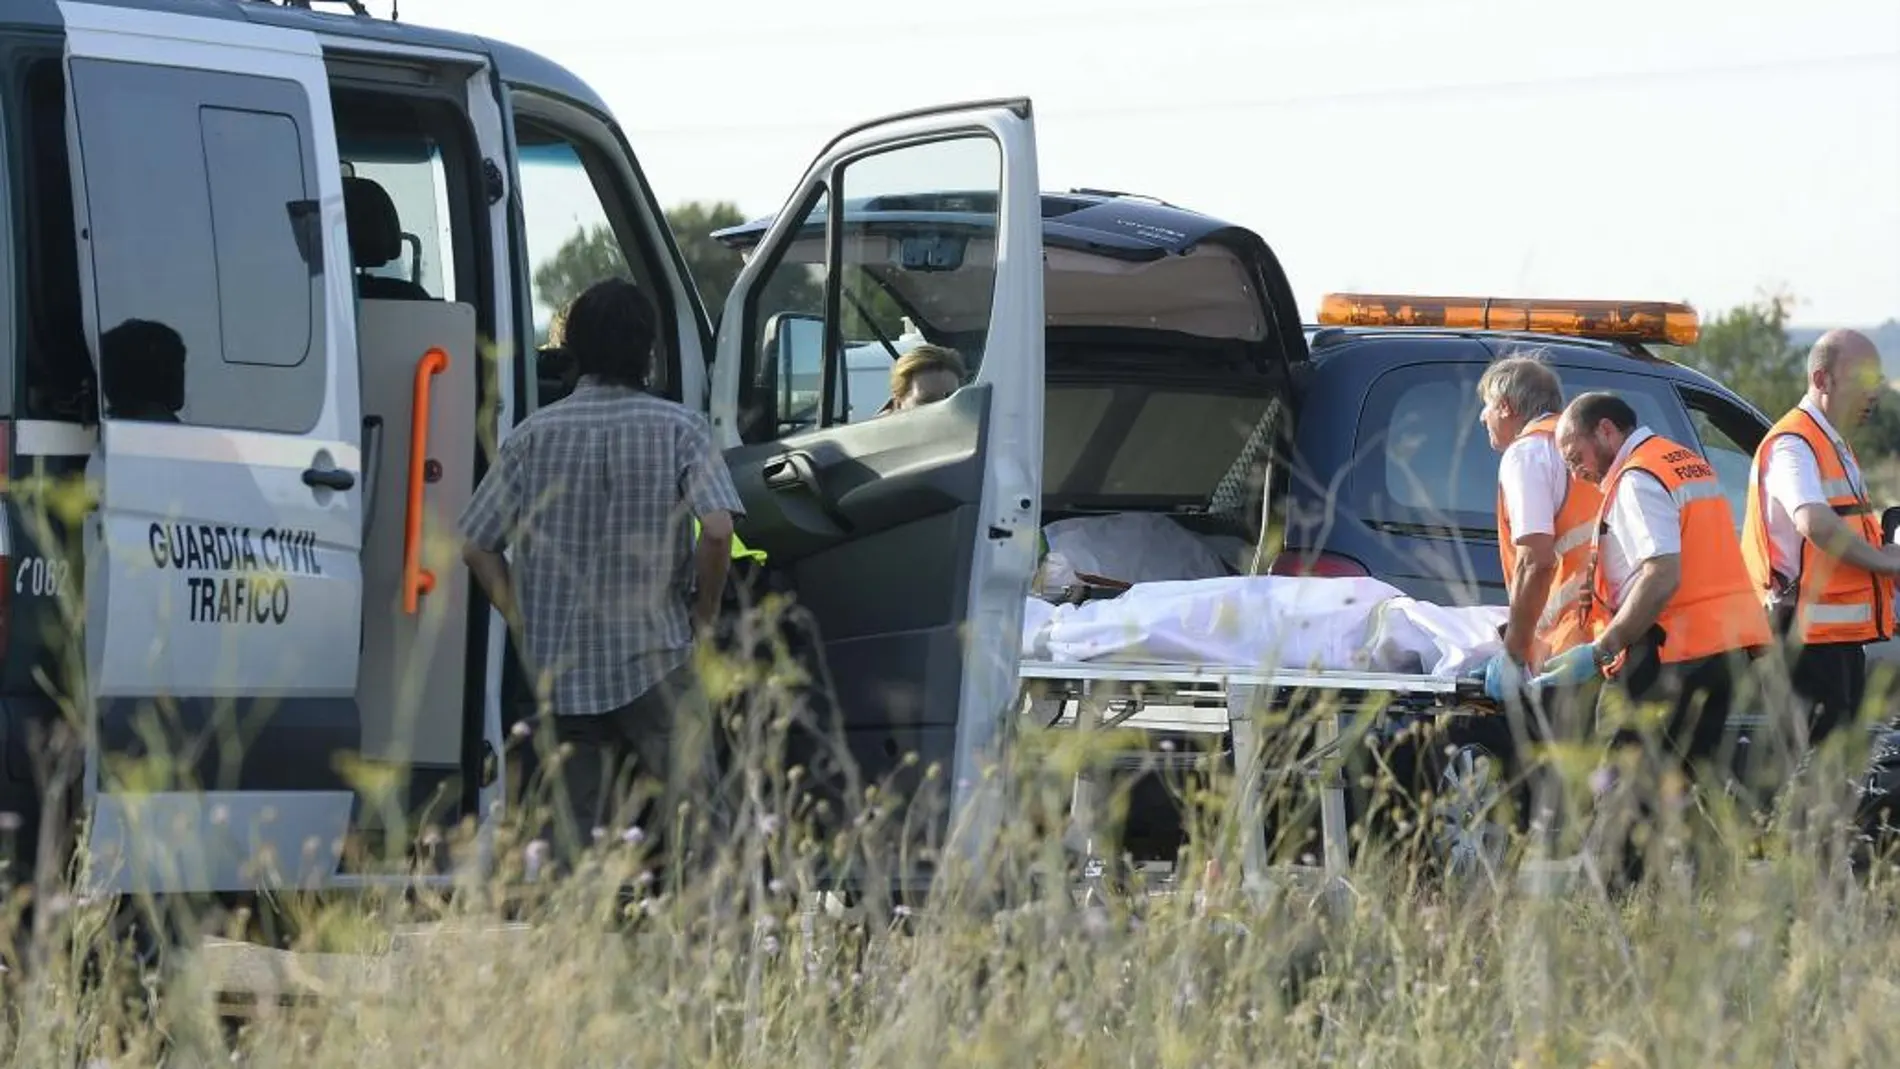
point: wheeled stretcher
(1233, 701)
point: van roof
(516, 65)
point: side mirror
(795, 344)
(1889, 523)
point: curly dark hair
(1592, 408)
(609, 331)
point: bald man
(1812, 538)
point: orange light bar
(1632, 321)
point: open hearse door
(909, 536)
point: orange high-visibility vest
(1834, 601)
(1559, 627)
(1714, 609)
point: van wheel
(1468, 840)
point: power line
(1830, 64)
(1089, 18)
(1826, 64)
(831, 33)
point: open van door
(909, 536)
(223, 573)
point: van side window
(255, 165)
(1729, 436)
(910, 264)
(397, 156)
(577, 236)
(206, 245)
(785, 334)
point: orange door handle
(417, 580)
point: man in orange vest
(1667, 623)
(1545, 516)
(1812, 539)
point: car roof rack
(1088, 191)
(356, 6)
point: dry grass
(1785, 962)
(1780, 963)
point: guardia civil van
(272, 281)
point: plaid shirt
(594, 493)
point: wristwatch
(1601, 656)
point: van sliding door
(223, 579)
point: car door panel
(412, 673)
(915, 497)
(865, 478)
(908, 538)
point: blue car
(1366, 438)
(1350, 448)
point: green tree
(713, 266)
(592, 254)
(1748, 350)
(867, 309)
(589, 256)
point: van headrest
(375, 228)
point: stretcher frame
(1220, 699)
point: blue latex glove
(1571, 668)
(1502, 676)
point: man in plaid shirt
(607, 592)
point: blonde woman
(926, 374)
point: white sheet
(1268, 622)
(1134, 547)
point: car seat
(376, 239)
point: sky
(1666, 149)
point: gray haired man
(1545, 516)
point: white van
(272, 286)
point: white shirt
(1532, 480)
(1793, 479)
(1643, 520)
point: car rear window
(1132, 445)
(1423, 459)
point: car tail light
(1318, 565)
